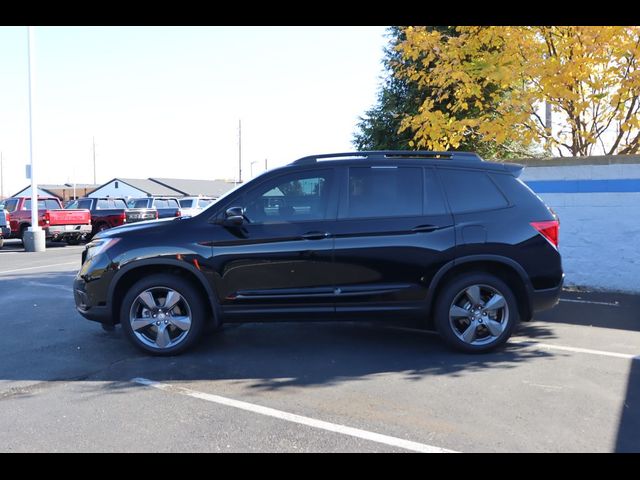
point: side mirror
(234, 217)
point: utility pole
(1, 177)
(265, 165)
(239, 151)
(94, 161)
(34, 237)
(548, 125)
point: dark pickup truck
(167, 207)
(57, 223)
(111, 212)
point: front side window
(294, 198)
(384, 192)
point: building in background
(64, 192)
(161, 187)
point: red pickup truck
(58, 223)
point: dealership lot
(569, 381)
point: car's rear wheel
(163, 314)
(476, 313)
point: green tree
(386, 125)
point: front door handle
(425, 228)
(316, 235)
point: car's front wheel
(476, 312)
(163, 314)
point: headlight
(99, 246)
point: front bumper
(547, 298)
(90, 289)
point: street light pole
(1, 177)
(34, 237)
(94, 161)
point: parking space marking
(548, 346)
(615, 304)
(603, 353)
(41, 266)
(291, 417)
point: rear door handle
(316, 235)
(425, 228)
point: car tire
(1, 242)
(23, 230)
(476, 312)
(169, 332)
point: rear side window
(384, 192)
(142, 203)
(185, 203)
(11, 205)
(84, 204)
(48, 204)
(470, 191)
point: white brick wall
(599, 232)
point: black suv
(446, 236)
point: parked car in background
(192, 206)
(58, 224)
(167, 207)
(446, 237)
(111, 212)
(5, 229)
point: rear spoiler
(514, 169)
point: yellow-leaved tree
(589, 76)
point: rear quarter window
(471, 191)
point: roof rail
(389, 154)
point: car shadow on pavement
(628, 439)
(612, 310)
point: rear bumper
(60, 231)
(547, 298)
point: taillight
(178, 213)
(123, 217)
(46, 217)
(157, 216)
(549, 230)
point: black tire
(73, 240)
(23, 230)
(452, 291)
(1, 242)
(190, 295)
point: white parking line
(40, 266)
(615, 304)
(533, 344)
(290, 417)
(603, 353)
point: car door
(279, 261)
(392, 235)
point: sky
(165, 101)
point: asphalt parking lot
(569, 381)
